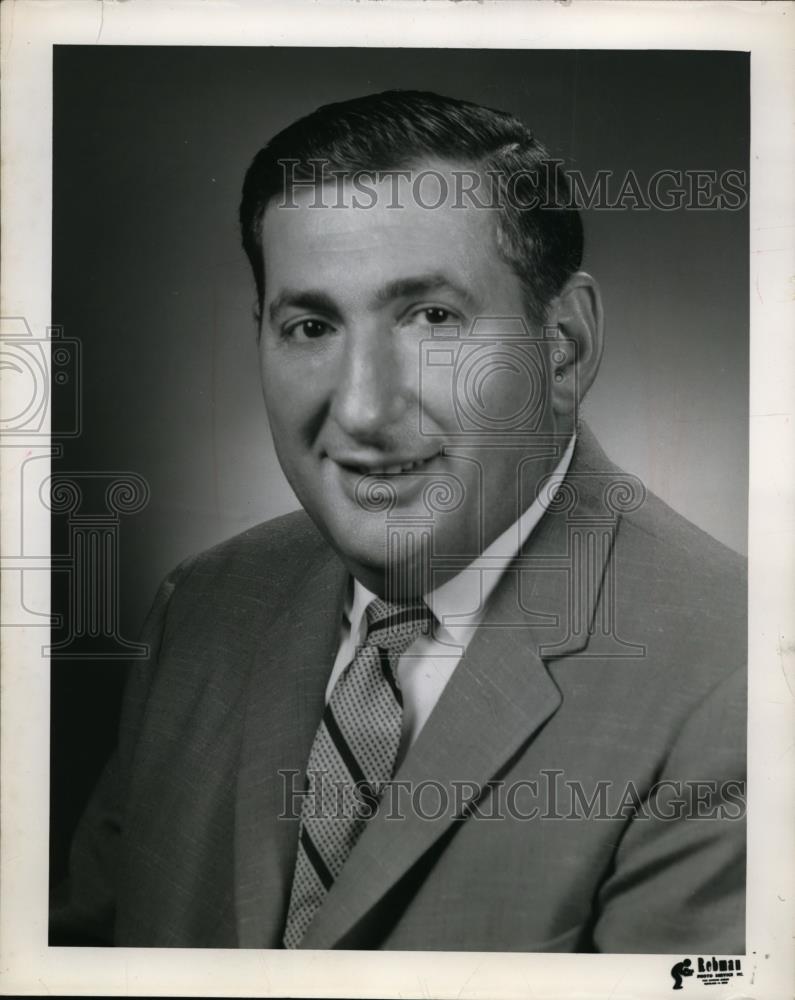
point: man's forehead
(413, 206)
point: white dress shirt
(458, 606)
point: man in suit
(484, 692)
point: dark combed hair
(400, 128)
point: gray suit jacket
(612, 660)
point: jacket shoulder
(214, 608)
(681, 540)
(671, 546)
(657, 535)
(279, 548)
(674, 583)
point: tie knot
(394, 627)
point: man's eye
(307, 329)
(436, 315)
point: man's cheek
(436, 401)
(290, 413)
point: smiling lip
(391, 466)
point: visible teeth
(394, 470)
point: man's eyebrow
(320, 301)
(309, 298)
(421, 284)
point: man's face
(374, 427)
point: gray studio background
(150, 147)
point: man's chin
(396, 568)
(391, 554)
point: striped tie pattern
(352, 755)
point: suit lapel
(289, 671)
(498, 682)
(498, 697)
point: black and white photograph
(384, 461)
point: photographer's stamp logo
(709, 971)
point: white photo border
(30, 28)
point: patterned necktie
(353, 754)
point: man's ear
(577, 313)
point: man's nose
(370, 393)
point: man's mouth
(391, 466)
